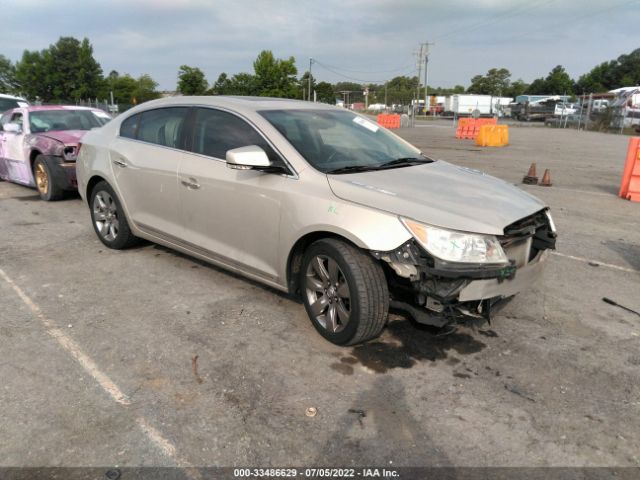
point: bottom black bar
(403, 473)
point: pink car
(39, 145)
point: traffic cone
(546, 179)
(531, 178)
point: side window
(215, 132)
(17, 118)
(129, 128)
(5, 118)
(162, 126)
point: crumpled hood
(68, 137)
(439, 194)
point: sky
(350, 40)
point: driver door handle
(120, 162)
(191, 183)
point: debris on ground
(616, 304)
(194, 367)
(360, 413)
(516, 391)
(311, 412)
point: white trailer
(466, 104)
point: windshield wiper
(355, 168)
(398, 162)
(408, 161)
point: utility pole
(310, 63)
(423, 56)
(420, 57)
(385, 95)
(426, 77)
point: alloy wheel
(105, 215)
(42, 179)
(328, 293)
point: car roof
(12, 97)
(38, 108)
(238, 103)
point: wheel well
(93, 181)
(32, 157)
(294, 263)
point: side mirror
(247, 158)
(12, 128)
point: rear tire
(108, 218)
(45, 183)
(344, 291)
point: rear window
(66, 119)
(129, 128)
(162, 126)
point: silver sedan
(316, 201)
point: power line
(573, 20)
(403, 68)
(348, 77)
(520, 9)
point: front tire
(344, 292)
(45, 183)
(108, 218)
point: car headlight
(453, 246)
(552, 224)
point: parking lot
(148, 357)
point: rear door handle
(190, 183)
(120, 162)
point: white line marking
(586, 192)
(70, 346)
(156, 437)
(92, 369)
(597, 262)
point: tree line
(67, 71)
(621, 72)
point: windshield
(335, 141)
(47, 120)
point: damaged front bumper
(500, 288)
(440, 293)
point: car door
(145, 158)
(232, 214)
(3, 164)
(16, 166)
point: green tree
(325, 93)
(191, 81)
(495, 82)
(123, 87)
(303, 85)
(7, 76)
(275, 77)
(401, 90)
(239, 84)
(558, 82)
(128, 90)
(64, 71)
(31, 75)
(537, 87)
(622, 72)
(355, 91)
(145, 89)
(518, 87)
